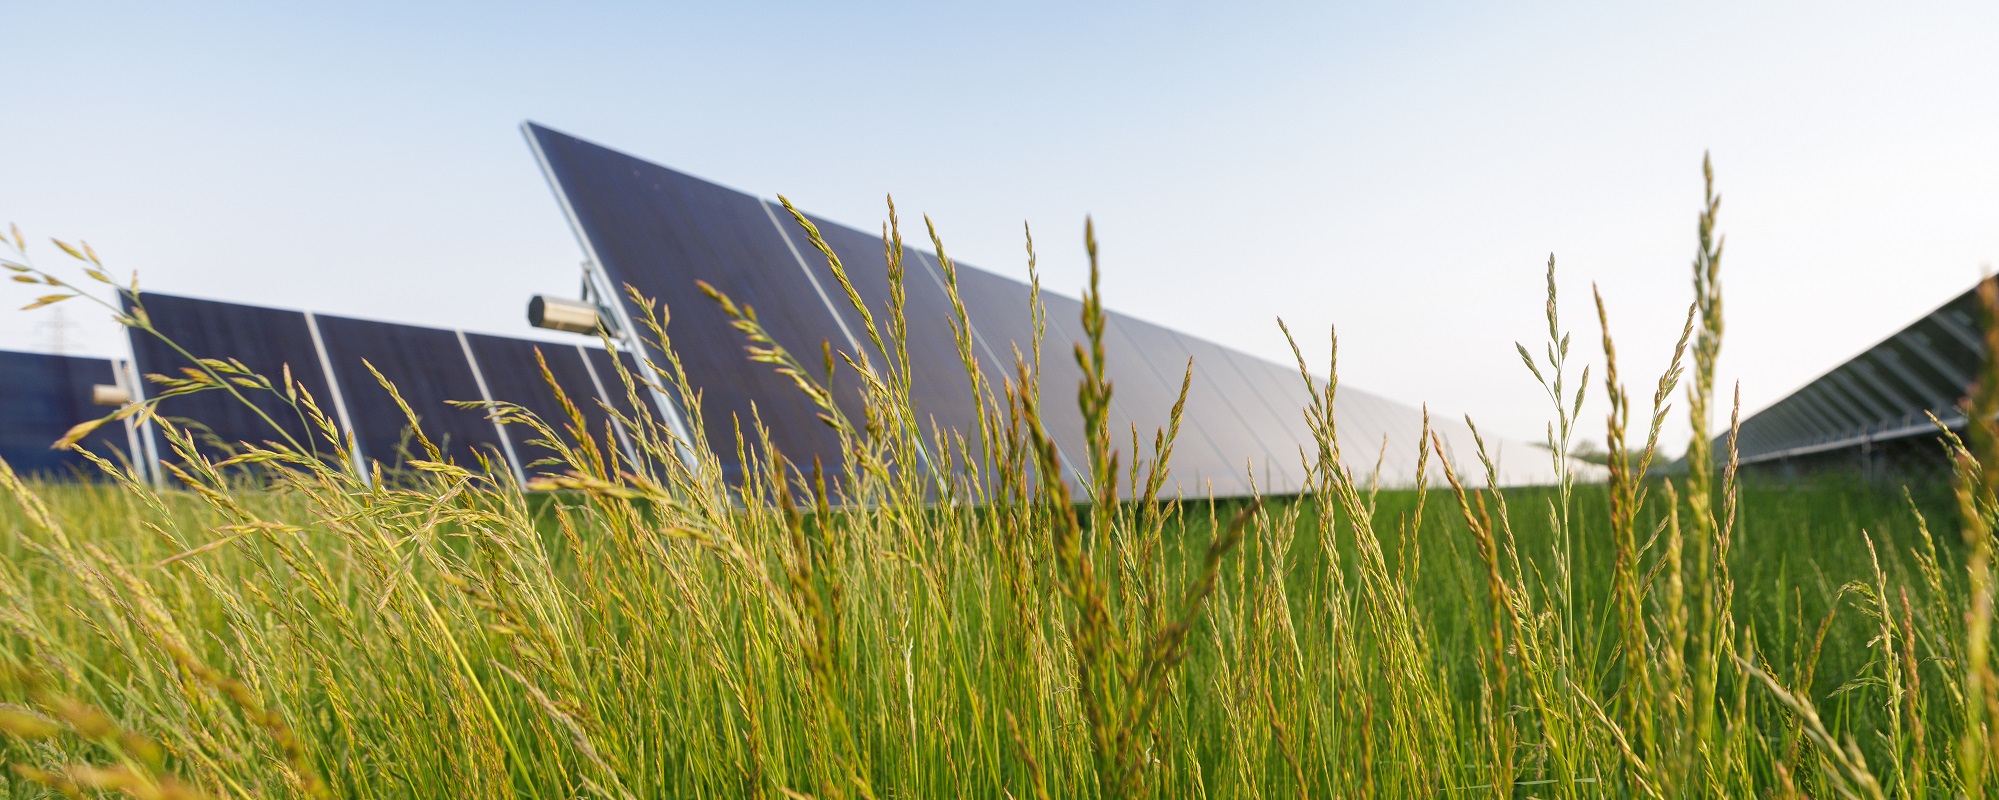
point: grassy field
(276, 625)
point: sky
(1398, 172)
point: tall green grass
(951, 617)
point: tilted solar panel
(41, 397)
(1003, 328)
(1886, 393)
(938, 384)
(1275, 408)
(1213, 449)
(662, 231)
(1269, 448)
(613, 385)
(635, 217)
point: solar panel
(940, 389)
(41, 397)
(1281, 396)
(429, 368)
(1886, 393)
(1375, 431)
(1274, 456)
(1147, 364)
(1001, 315)
(266, 340)
(661, 231)
(606, 373)
(647, 425)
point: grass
(952, 618)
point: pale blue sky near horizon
(1402, 171)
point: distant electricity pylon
(59, 329)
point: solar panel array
(329, 358)
(1884, 394)
(41, 397)
(660, 231)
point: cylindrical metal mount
(558, 314)
(105, 394)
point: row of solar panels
(660, 231)
(663, 233)
(42, 396)
(329, 357)
(1885, 393)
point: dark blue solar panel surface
(938, 375)
(660, 231)
(41, 397)
(1002, 318)
(266, 340)
(1141, 399)
(429, 369)
(614, 385)
(513, 375)
(428, 366)
(939, 385)
(646, 422)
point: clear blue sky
(1402, 172)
